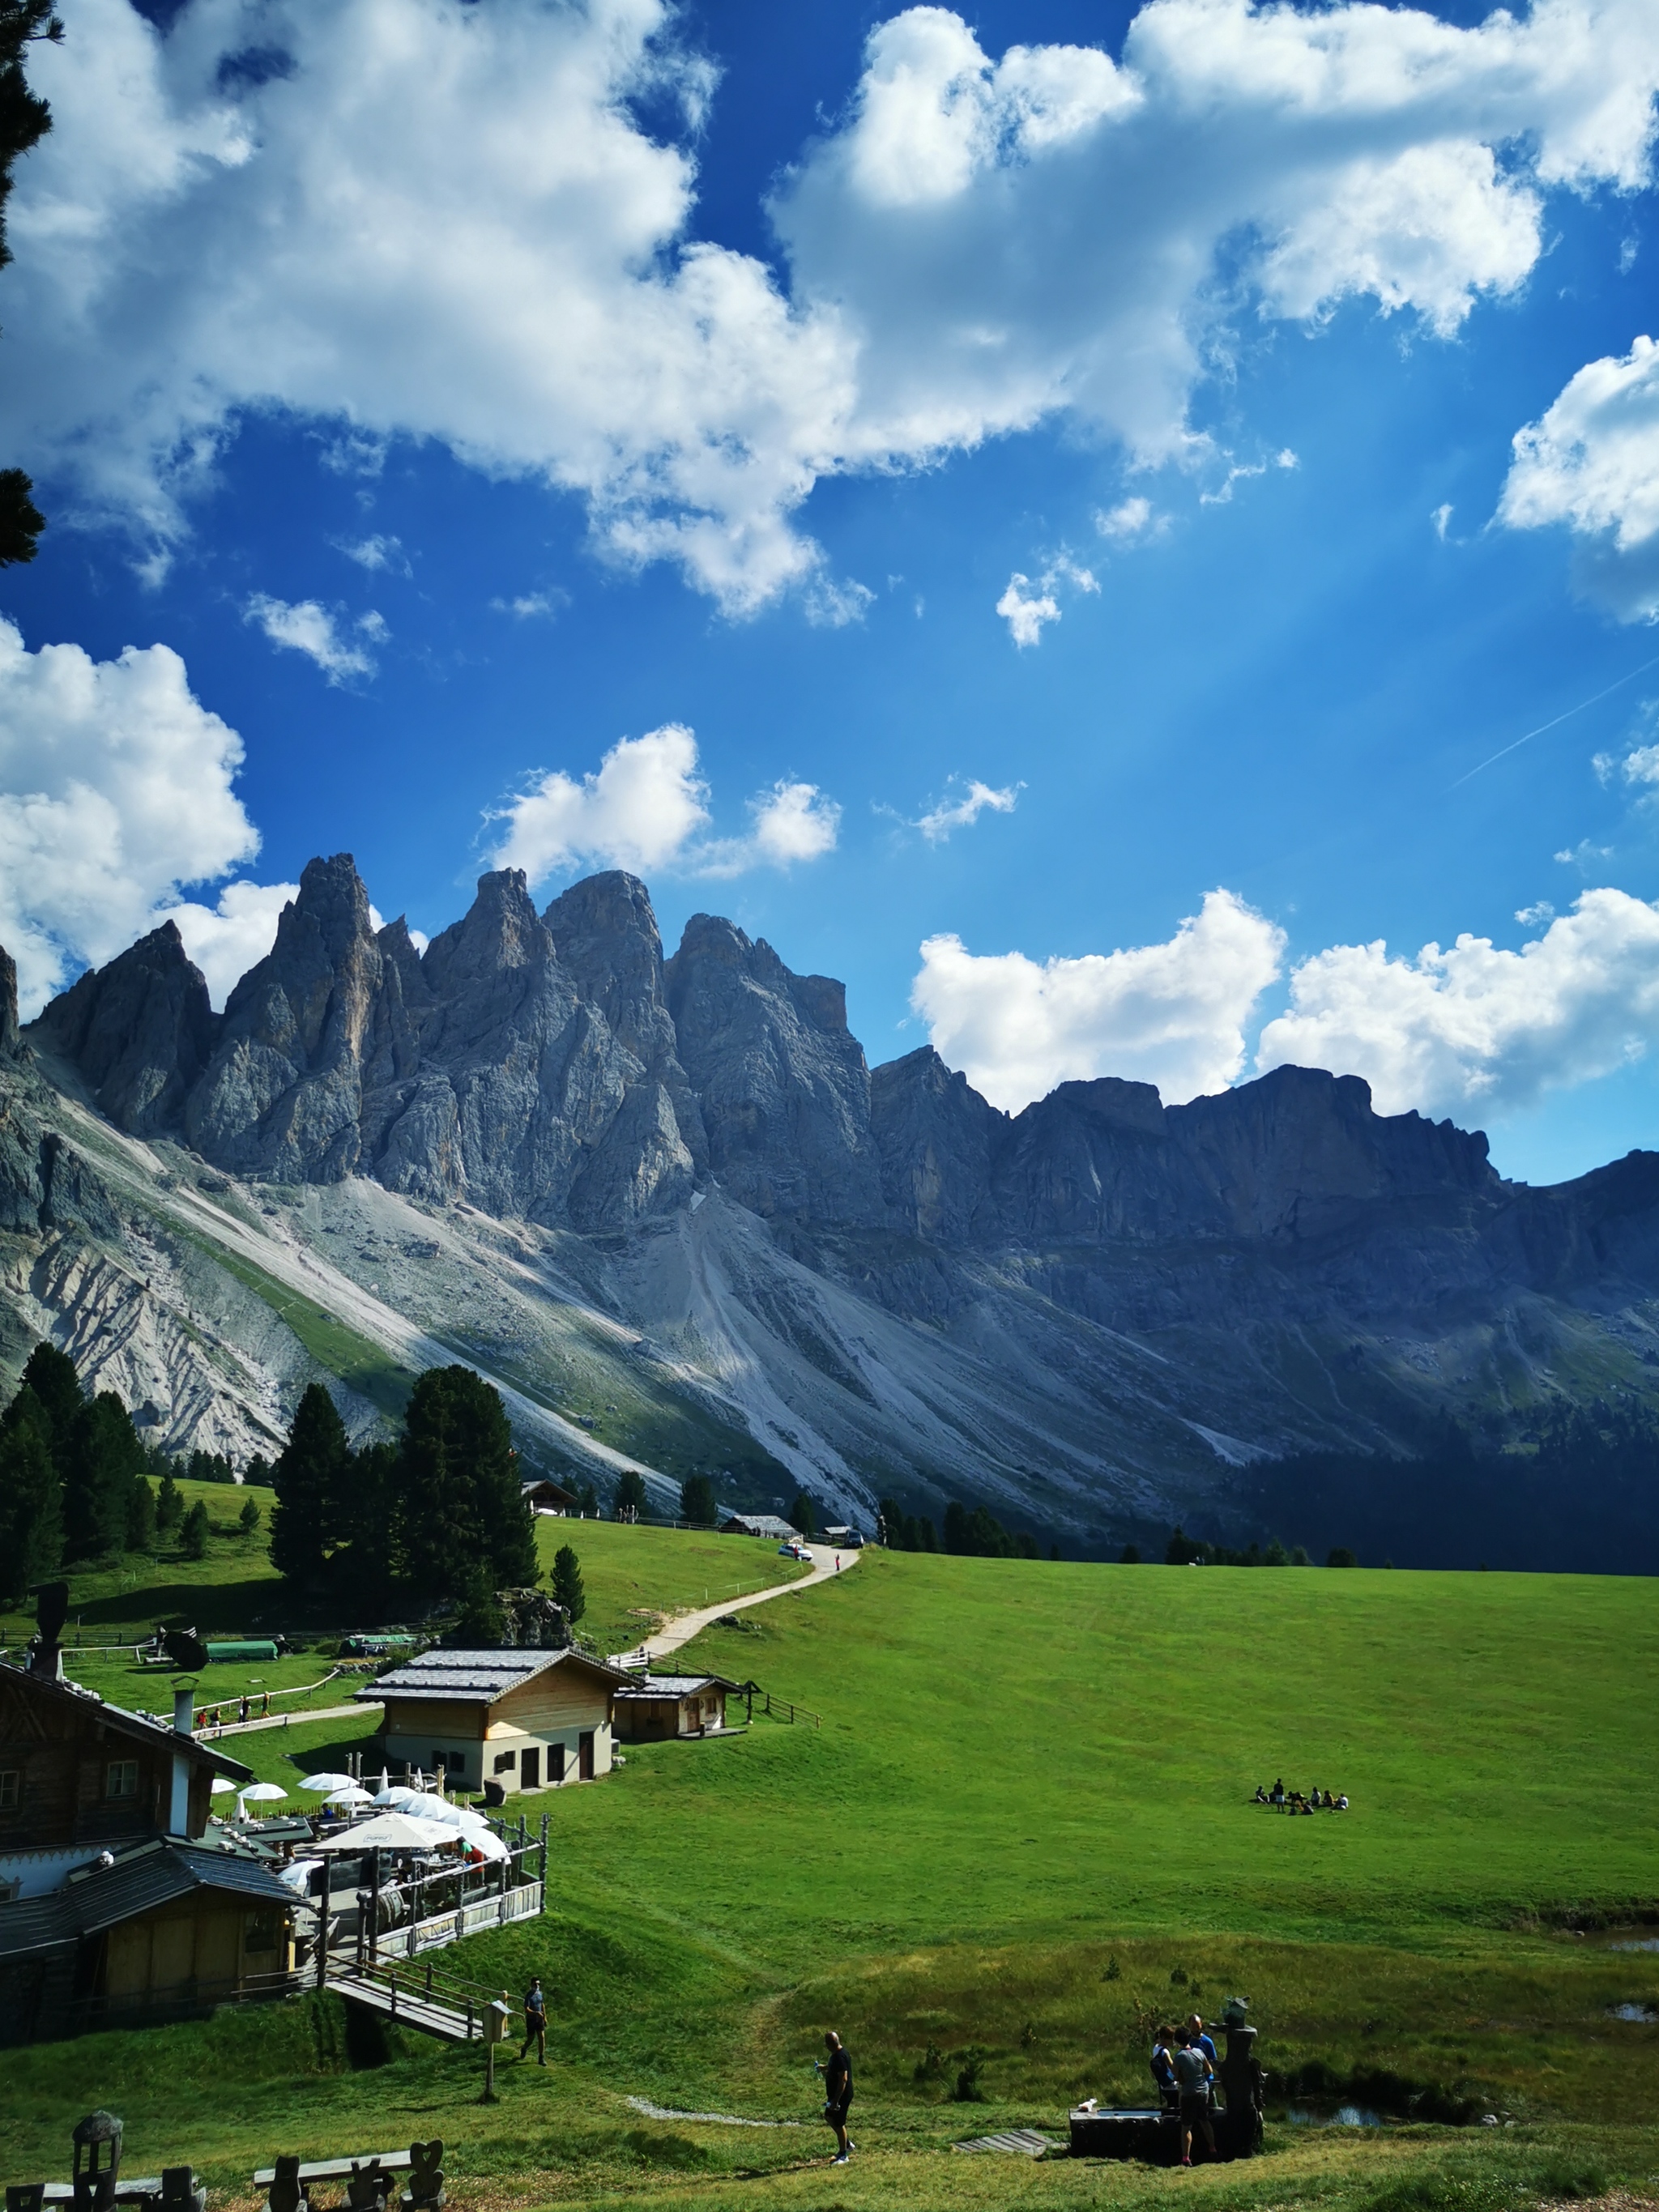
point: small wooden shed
(661, 1706)
(542, 1495)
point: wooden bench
(338, 2169)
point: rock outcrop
(8, 1031)
(781, 1080)
(141, 1031)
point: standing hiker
(535, 2022)
(837, 2092)
(1194, 2074)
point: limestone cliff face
(9, 1033)
(141, 1031)
(782, 1081)
(937, 1139)
(282, 1096)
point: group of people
(1284, 1800)
(1185, 2069)
(242, 1709)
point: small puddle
(1345, 2115)
(1642, 2012)
(1646, 1943)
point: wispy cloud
(534, 606)
(378, 554)
(962, 813)
(306, 626)
(1029, 607)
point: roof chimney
(183, 1710)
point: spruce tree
(106, 1463)
(804, 1514)
(459, 1508)
(141, 1517)
(630, 1501)
(193, 1532)
(49, 1374)
(697, 1500)
(31, 1498)
(169, 1506)
(568, 1590)
(311, 1479)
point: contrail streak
(1516, 743)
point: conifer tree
(193, 1532)
(310, 1479)
(141, 1516)
(31, 1497)
(630, 1498)
(459, 1509)
(49, 1374)
(568, 1590)
(169, 1506)
(106, 1463)
(697, 1500)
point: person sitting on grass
(1260, 1794)
(1194, 2074)
(1342, 1804)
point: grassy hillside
(633, 1576)
(1020, 1835)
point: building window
(505, 1761)
(264, 1932)
(454, 1764)
(11, 1789)
(121, 1778)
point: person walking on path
(837, 2092)
(535, 2022)
(1194, 2074)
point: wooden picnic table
(338, 2169)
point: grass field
(1022, 1834)
(633, 1576)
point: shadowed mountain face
(1099, 1302)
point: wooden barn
(542, 1495)
(660, 1706)
(522, 1720)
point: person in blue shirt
(1196, 2036)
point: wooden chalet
(772, 1525)
(542, 1495)
(112, 1905)
(77, 1774)
(660, 1706)
(521, 1719)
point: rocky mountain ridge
(1088, 1314)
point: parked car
(794, 1551)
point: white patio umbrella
(404, 1800)
(353, 1794)
(390, 1831)
(261, 1793)
(326, 1784)
(487, 1845)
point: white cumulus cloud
(1591, 463)
(1474, 1028)
(116, 789)
(227, 940)
(645, 806)
(308, 627)
(963, 812)
(1173, 1014)
(1028, 607)
(444, 222)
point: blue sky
(397, 367)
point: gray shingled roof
(96, 1898)
(675, 1686)
(474, 1677)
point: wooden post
(375, 1912)
(322, 1931)
(544, 1860)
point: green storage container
(252, 1648)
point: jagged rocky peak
(499, 931)
(782, 1081)
(606, 937)
(140, 1031)
(8, 1032)
(936, 1137)
(282, 1096)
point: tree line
(438, 1513)
(78, 1482)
